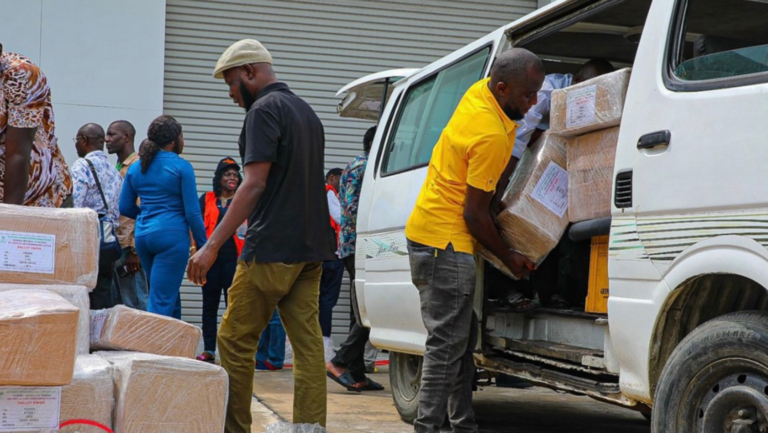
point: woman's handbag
(109, 246)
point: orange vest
(211, 218)
(336, 227)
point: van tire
(717, 376)
(405, 379)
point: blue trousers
(164, 257)
(272, 343)
(330, 288)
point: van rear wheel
(405, 379)
(717, 379)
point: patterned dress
(349, 196)
(25, 102)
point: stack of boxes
(588, 115)
(567, 176)
(48, 265)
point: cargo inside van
(715, 42)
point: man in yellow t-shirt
(453, 212)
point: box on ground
(49, 246)
(39, 334)
(536, 202)
(591, 159)
(162, 394)
(123, 328)
(77, 296)
(90, 396)
(589, 106)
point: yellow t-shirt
(473, 149)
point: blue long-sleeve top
(168, 194)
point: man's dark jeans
(351, 354)
(104, 294)
(446, 283)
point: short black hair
(368, 138)
(127, 125)
(333, 172)
(515, 64)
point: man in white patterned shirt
(89, 144)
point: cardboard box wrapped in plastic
(162, 394)
(536, 202)
(123, 328)
(90, 396)
(590, 174)
(589, 106)
(38, 329)
(49, 246)
(77, 296)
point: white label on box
(552, 189)
(98, 318)
(580, 107)
(27, 252)
(29, 408)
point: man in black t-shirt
(283, 195)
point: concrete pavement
(533, 410)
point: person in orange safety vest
(333, 270)
(214, 205)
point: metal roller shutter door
(318, 46)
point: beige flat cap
(241, 53)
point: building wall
(318, 46)
(103, 58)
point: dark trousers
(219, 279)
(104, 295)
(446, 283)
(351, 355)
(330, 288)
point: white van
(686, 332)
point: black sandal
(368, 385)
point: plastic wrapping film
(77, 296)
(590, 174)
(38, 330)
(589, 106)
(123, 328)
(163, 394)
(287, 427)
(536, 202)
(90, 396)
(61, 246)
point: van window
(720, 41)
(425, 111)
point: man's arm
(80, 184)
(18, 151)
(483, 229)
(496, 204)
(334, 207)
(254, 183)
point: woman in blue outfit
(169, 209)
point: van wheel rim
(410, 377)
(732, 396)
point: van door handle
(654, 139)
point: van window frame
(395, 120)
(675, 41)
(385, 136)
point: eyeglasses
(75, 140)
